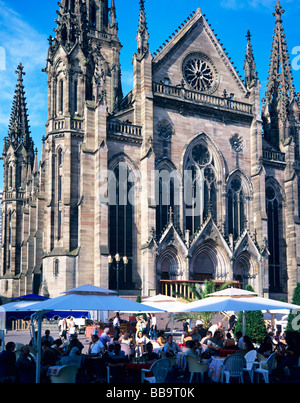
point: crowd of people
(146, 343)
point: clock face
(201, 155)
(200, 73)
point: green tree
(255, 325)
(293, 318)
(200, 292)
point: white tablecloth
(215, 369)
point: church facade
(190, 176)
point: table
(215, 369)
(224, 353)
(134, 370)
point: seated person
(58, 348)
(117, 352)
(128, 338)
(105, 337)
(161, 338)
(77, 342)
(150, 354)
(49, 357)
(215, 343)
(96, 348)
(267, 347)
(171, 348)
(186, 337)
(73, 348)
(193, 351)
(117, 363)
(230, 342)
(206, 338)
(196, 335)
(26, 366)
(8, 361)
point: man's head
(95, 338)
(218, 334)
(10, 346)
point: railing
(182, 289)
(124, 128)
(205, 99)
(273, 156)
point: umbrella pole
(39, 317)
(244, 323)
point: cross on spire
(250, 65)
(278, 12)
(280, 90)
(142, 35)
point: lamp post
(118, 259)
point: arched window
(61, 97)
(93, 15)
(121, 217)
(10, 177)
(76, 96)
(167, 188)
(60, 157)
(200, 187)
(272, 206)
(236, 208)
(56, 268)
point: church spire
(18, 131)
(142, 35)
(72, 24)
(250, 65)
(113, 14)
(280, 80)
(280, 89)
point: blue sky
(26, 25)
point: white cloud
(240, 4)
(22, 43)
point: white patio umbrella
(233, 292)
(89, 298)
(217, 304)
(168, 304)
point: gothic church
(189, 114)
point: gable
(196, 40)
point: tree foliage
(293, 318)
(255, 324)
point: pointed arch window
(61, 97)
(75, 96)
(166, 199)
(200, 187)
(236, 208)
(121, 219)
(93, 15)
(273, 213)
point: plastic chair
(196, 367)
(71, 360)
(233, 367)
(266, 372)
(66, 374)
(159, 369)
(250, 358)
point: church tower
(280, 115)
(18, 159)
(84, 87)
